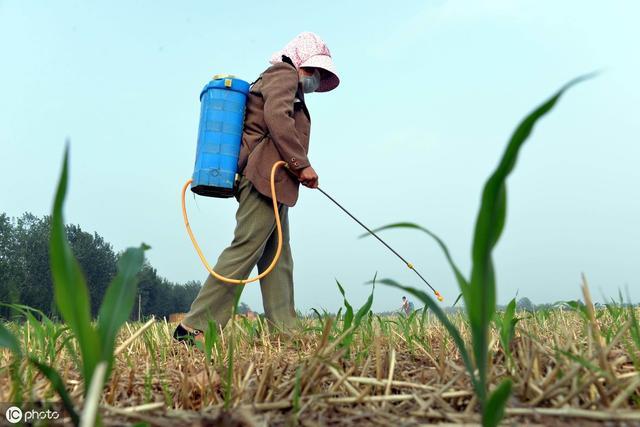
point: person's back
(275, 94)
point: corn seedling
(506, 325)
(72, 300)
(479, 292)
(349, 318)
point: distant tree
(30, 261)
(183, 296)
(160, 297)
(525, 304)
(9, 291)
(6, 246)
(571, 305)
(150, 291)
(97, 261)
(25, 275)
(243, 308)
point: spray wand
(276, 214)
(437, 294)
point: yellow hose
(276, 165)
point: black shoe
(181, 334)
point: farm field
(476, 363)
(395, 371)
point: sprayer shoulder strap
(255, 81)
(299, 98)
(285, 59)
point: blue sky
(430, 93)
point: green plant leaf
(338, 314)
(494, 410)
(296, 391)
(58, 385)
(635, 327)
(508, 323)
(24, 309)
(348, 315)
(118, 301)
(462, 282)
(317, 313)
(423, 316)
(228, 383)
(579, 307)
(457, 300)
(481, 298)
(70, 289)
(8, 340)
(367, 305)
(211, 339)
(453, 331)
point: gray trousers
(254, 243)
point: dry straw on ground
(569, 367)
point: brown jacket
(276, 127)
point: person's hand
(308, 177)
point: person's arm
(279, 86)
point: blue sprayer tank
(222, 104)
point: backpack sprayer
(222, 105)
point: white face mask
(311, 83)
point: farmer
(277, 125)
(407, 306)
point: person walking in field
(277, 127)
(407, 306)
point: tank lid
(227, 83)
(223, 76)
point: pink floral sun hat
(308, 50)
